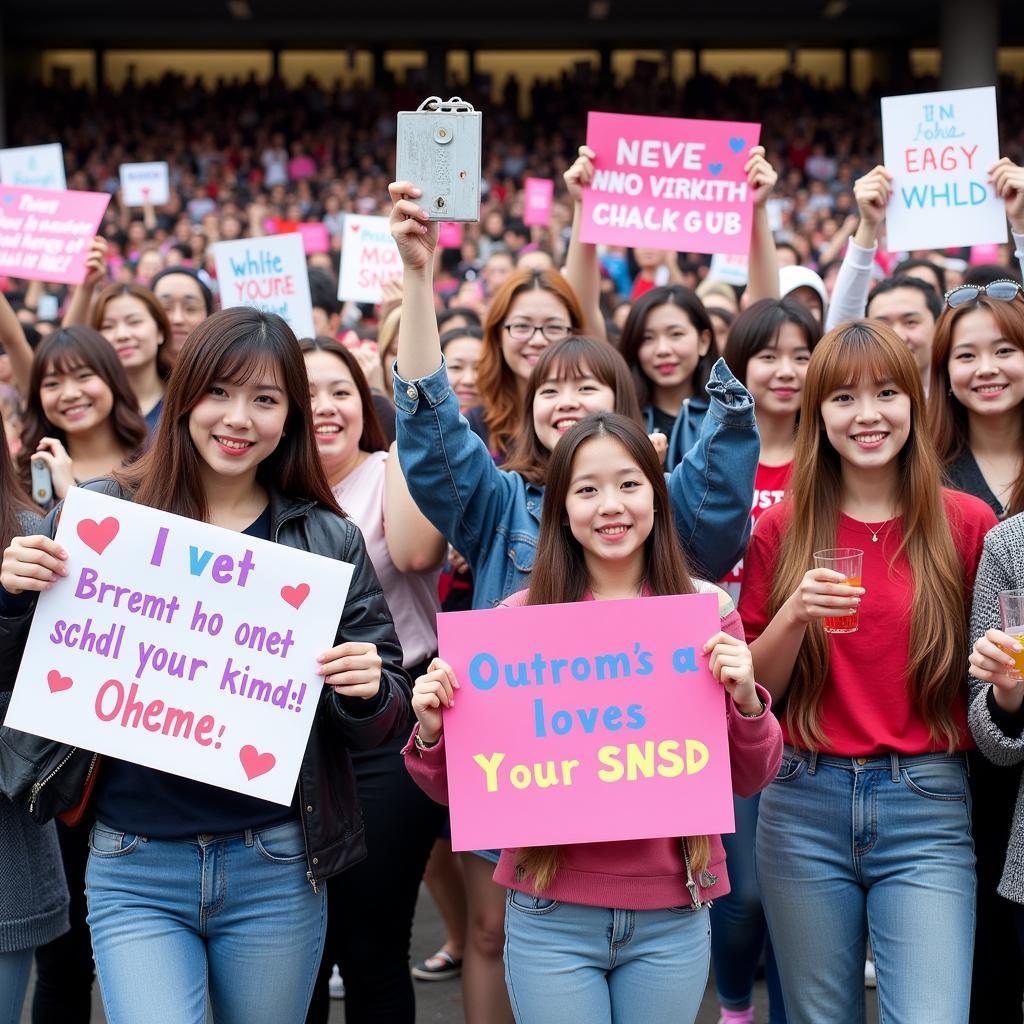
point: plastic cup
(849, 562)
(1011, 611)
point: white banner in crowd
(180, 645)
(269, 274)
(145, 183)
(938, 147)
(732, 269)
(34, 166)
(369, 257)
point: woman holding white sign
(865, 833)
(612, 932)
(197, 892)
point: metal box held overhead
(439, 151)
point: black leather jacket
(50, 776)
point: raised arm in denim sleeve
(850, 296)
(450, 473)
(712, 489)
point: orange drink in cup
(849, 562)
(1011, 611)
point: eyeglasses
(526, 332)
(1004, 291)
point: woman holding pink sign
(613, 932)
(195, 892)
(865, 833)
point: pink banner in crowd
(315, 238)
(449, 235)
(538, 194)
(669, 183)
(45, 234)
(588, 722)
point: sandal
(439, 967)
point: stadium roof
(322, 24)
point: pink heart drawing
(98, 535)
(355, 227)
(295, 595)
(57, 682)
(254, 763)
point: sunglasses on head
(1004, 291)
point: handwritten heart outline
(295, 595)
(98, 535)
(58, 683)
(255, 764)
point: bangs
(576, 358)
(247, 360)
(864, 356)
(65, 355)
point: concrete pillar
(99, 68)
(969, 37)
(437, 67)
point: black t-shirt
(143, 801)
(663, 421)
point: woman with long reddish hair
(235, 448)
(865, 833)
(529, 312)
(605, 535)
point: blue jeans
(566, 962)
(855, 848)
(739, 932)
(229, 917)
(14, 972)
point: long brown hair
(569, 358)
(164, 356)
(867, 349)
(65, 351)
(946, 415)
(12, 498)
(560, 573)
(495, 381)
(372, 439)
(230, 345)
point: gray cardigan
(996, 732)
(33, 893)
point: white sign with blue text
(938, 147)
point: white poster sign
(369, 257)
(34, 166)
(145, 183)
(181, 646)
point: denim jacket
(492, 517)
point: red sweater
(866, 707)
(640, 874)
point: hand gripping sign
(181, 646)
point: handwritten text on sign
(45, 235)
(268, 274)
(588, 722)
(669, 183)
(938, 148)
(181, 646)
(145, 183)
(369, 257)
(34, 166)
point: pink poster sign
(45, 234)
(538, 195)
(669, 183)
(315, 238)
(449, 235)
(988, 253)
(588, 722)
